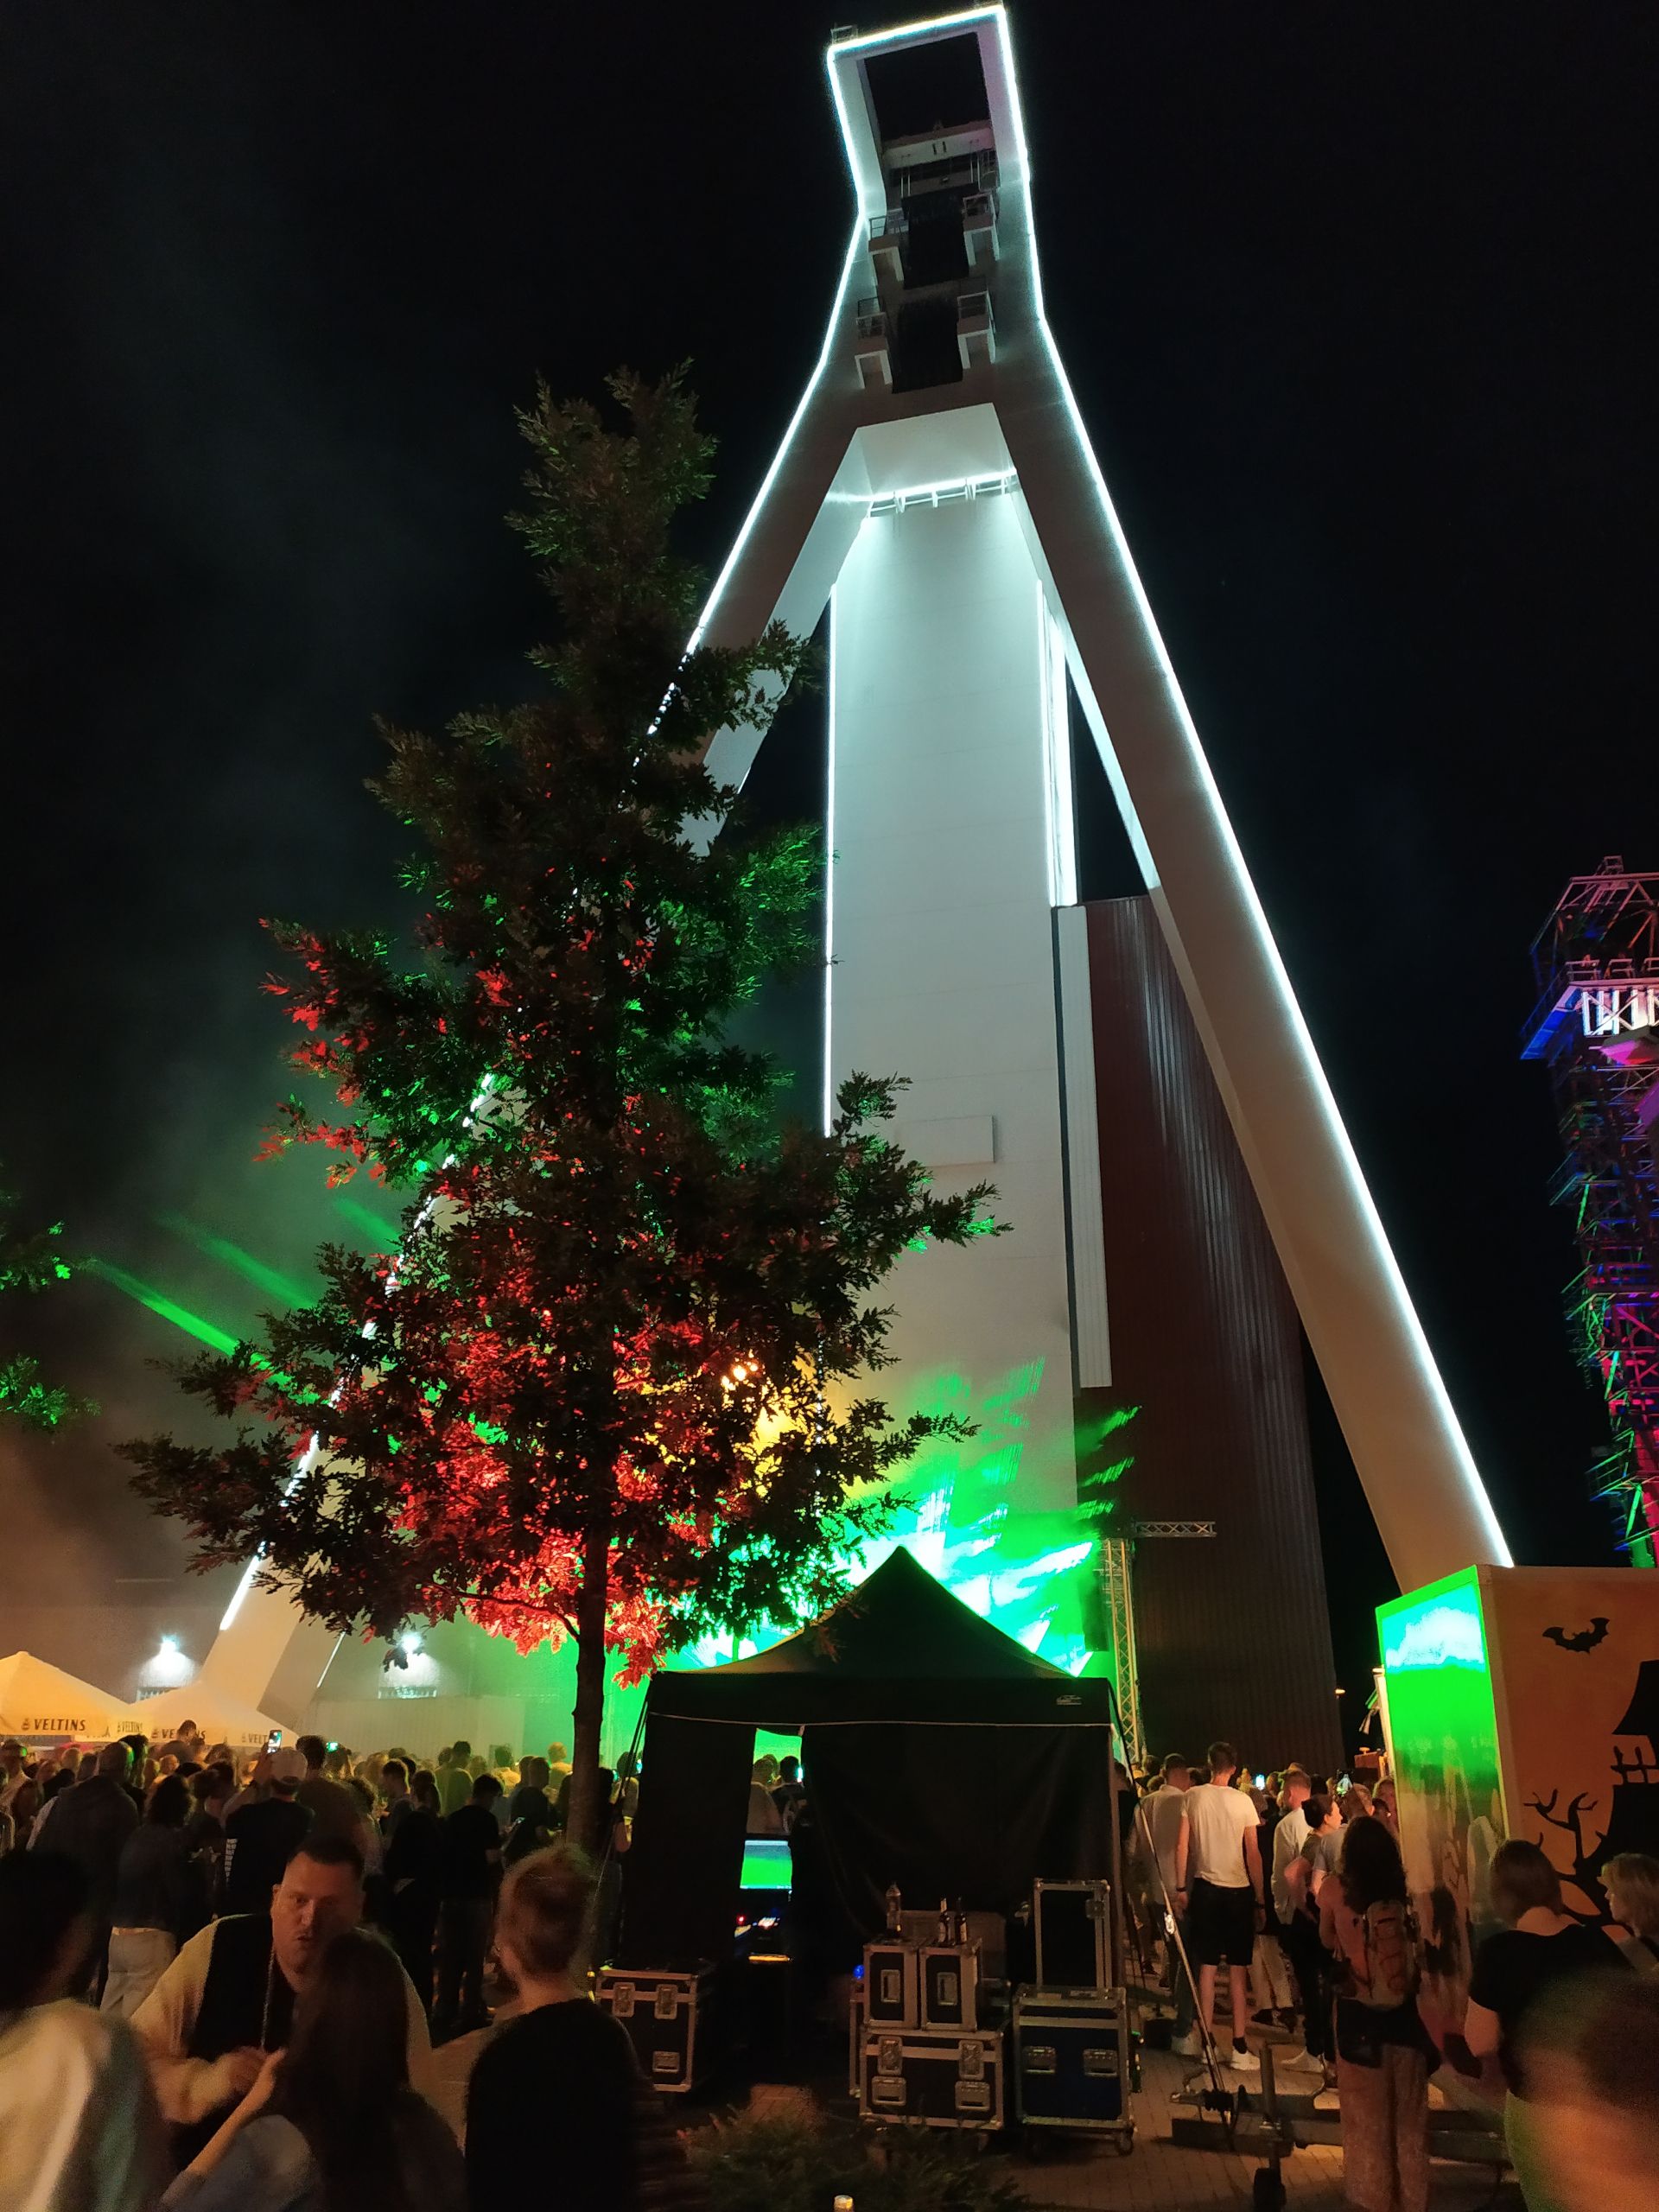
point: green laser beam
(270, 1280)
(365, 1217)
(158, 1302)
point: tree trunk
(586, 1825)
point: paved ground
(1160, 2176)
(1163, 2176)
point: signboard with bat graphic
(1518, 1701)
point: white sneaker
(1187, 2046)
(1244, 2060)
(1298, 2061)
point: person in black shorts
(1218, 1886)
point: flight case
(937, 1986)
(1072, 2061)
(917, 2079)
(953, 2001)
(669, 2019)
(892, 1987)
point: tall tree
(608, 1386)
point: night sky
(1359, 309)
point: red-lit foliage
(608, 1386)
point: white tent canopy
(40, 1700)
(222, 1719)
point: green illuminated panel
(766, 1863)
(1443, 1725)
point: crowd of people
(1294, 1885)
(222, 1979)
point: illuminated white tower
(936, 490)
(1136, 1078)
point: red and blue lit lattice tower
(1596, 1026)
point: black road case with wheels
(1072, 2061)
(668, 2017)
(932, 2081)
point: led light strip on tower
(955, 487)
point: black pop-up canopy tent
(939, 1754)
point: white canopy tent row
(42, 1703)
(221, 1717)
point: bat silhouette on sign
(1585, 1640)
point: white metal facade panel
(962, 1141)
(944, 964)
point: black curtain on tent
(682, 1880)
(974, 1814)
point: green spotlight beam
(158, 1302)
(269, 1279)
(371, 1224)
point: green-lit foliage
(609, 1387)
(32, 1261)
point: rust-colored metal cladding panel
(1233, 1636)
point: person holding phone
(263, 1832)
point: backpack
(1389, 1931)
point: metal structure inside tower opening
(1595, 1025)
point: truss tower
(1596, 1027)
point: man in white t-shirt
(1158, 1823)
(1157, 1833)
(1217, 1881)
(1289, 1834)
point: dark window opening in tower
(928, 87)
(924, 349)
(935, 251)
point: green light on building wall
(1033, 1575)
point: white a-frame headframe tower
(936, 490)
(1133, 1075)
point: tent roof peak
(900, 1647)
